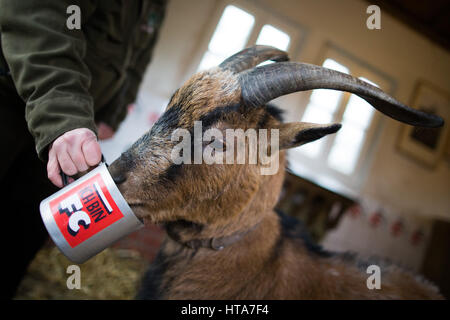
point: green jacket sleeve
(116, 110)
(45, 59)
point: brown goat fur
(201, 201)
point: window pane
(274, 37)
(311, 149)
(324, 98)
(346, 148)
(349, 135)
(315, 114)
(321, 108)
(327, 99)
(332, 64)
(341, 159)
(359, 112)
(232, 32)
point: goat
(225, 241)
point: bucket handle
(65, 177)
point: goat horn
(251, 57)
(262, 84)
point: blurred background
(377, 187)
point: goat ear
(298, 133)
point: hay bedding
(112, 274)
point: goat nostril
(117, 172)
(119, 179)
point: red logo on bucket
(85, 210)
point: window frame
(262, 15)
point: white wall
(395, 50)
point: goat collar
(209, 243)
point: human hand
(104, 131)
(74, 151)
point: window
(230, 36)
(339, 161)
(322, 108)
(239, 28)
(348, 142)
(274, 37)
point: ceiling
(430, 18)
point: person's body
(61, 90)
